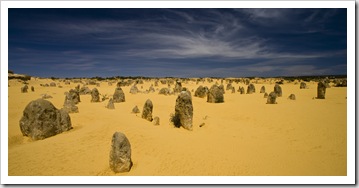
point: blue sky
(177, 42)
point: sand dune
(243, 136)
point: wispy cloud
(267, 37)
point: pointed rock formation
(110, 104)
(119, 95)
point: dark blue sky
(177, 42)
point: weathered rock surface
(75, 96)
(147, 110)
(164, 91)
(41, 120)
(24, 89)
(134, 89)
(263, 89)
(201, 92)
(241, 90)
(229, 86)
(271, 99)
(184, 110)
(85, 91)
(156, 121)
(151, 89)
(120, 154)
(46, 96)
(303, 85)
(178, 87)
(95, 95)
(233, 90)
(119, 95)
(110, 104)
(52, 84)
(340, 83)
(265, 95)
(215, 95)
(251, 89)
(291, 97)
(135, 110)
(278, 90)
(221, 87)
(321, 89)
(69, 104)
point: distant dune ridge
(229, 123)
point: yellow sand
(243, 136)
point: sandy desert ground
(243, 136)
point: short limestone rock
(241, 90)
(221, 87)
(75, 96)
(271, 99)
(164, 91)
(278, 90)
(291, 97)
(24, 89)
(184, 110)
(215, 95)
(263, 89)
(120, 154)
(151, 89)
(85, 91)
(95, 95)
(303, 85)
(69, 104)
(147, 110)
(156, 121)
(135, 110)
(265, 95)
(110, 104)
(41, 120)
(201, 92)
(178, 87)
(251, 89)
(134, 89)
(321, 89)
(233, 90)
(46, 96)
(119, 95)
